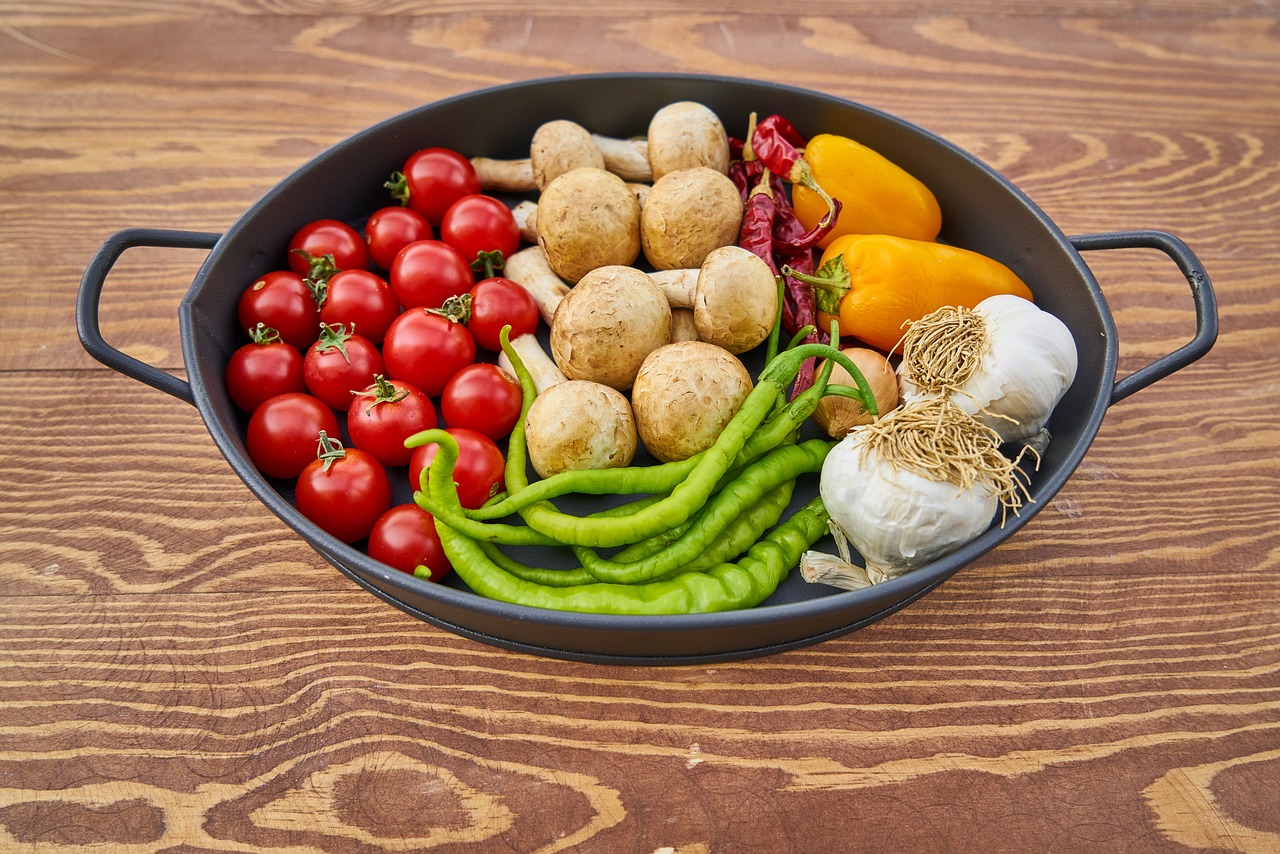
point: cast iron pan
(981, 211)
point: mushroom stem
(529, 267)
(542, 370)
(680, 286)
(683, 326)
(526, 214)
(626, 158)
(506, 176)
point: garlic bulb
(1005, 361)
(913, 487)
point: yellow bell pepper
(877, 284)
(876, 195)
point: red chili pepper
(776, 143)
(756, 234)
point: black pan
(981, 211)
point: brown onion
(838, 415)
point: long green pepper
(723, 587)
(782, 465)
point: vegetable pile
(507, 337)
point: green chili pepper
(780, 466)
(690, 494)
(723, 587)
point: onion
(838, 415)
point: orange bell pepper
(876, 284)
(876, 195)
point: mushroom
(684, 395)
(733, 295)
(577, 425)
(526, 212)
(680, 135)
(561, 146)
(588, 218)
(607, 324)
(686, 134)
(687, 214)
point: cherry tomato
(433, 179)
(479, 223)
(405, 538)
(428, 272)
(339, 364)
(497, 302)
(426, 349)
(327, 237)
(282, 301)
(391, 229)
(384, 415)
(361, 300)
(283, 432)
(343, 491)
(479, 471)
(482, 397)
(263, 368)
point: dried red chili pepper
(776, 143)
(756, 234)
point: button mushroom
(607, 324)
(686, 134)
(733, 295)
(684, 395)
(588, 218)
(579, 425)
(686, 214)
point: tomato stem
(329, 450)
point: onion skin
(838, 415)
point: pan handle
(95, 276)
(1201, 293)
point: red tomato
(339, 364)
(433, 179)
(361, 300)
(327, 237)
(426, 349)
(391, 229)
(384, 415)
(479, 472)
(283, 432)
(263, 368)
(478, 223)
(496, 302)
(428, 272)
(482, 397)
(282, 301)
(343, 491)
(405, 538)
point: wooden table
(178, 670)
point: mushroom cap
(607, 324)
(588, 218)
(686, 214)
(684, 134)
(578, 425)
(684, 395)
(736, 300)
(560, 146)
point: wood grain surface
(178, 671)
